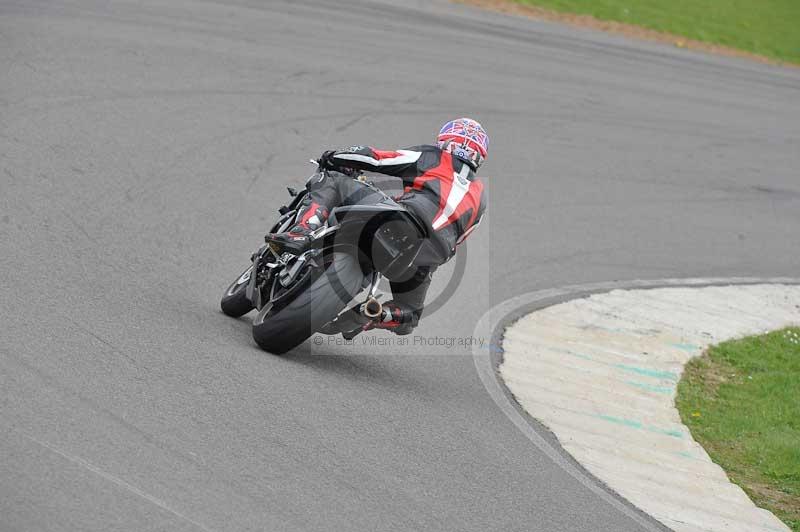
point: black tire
(314, 307)
(234, 302)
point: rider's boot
(395, 317)
(297, 238)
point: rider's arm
(396, 163)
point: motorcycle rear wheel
(286, 328)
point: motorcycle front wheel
(234, 302)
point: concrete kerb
(493, 325)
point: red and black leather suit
(440, 189)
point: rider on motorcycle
(440, 189)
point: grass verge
(741, 401)
(765, 27)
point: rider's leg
(325, 192)
(323, 195)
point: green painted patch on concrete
(656, 374)
(621, 421)
(689, 348)
(664, 390)
(632, 423)
(579, 355)
(675, 433)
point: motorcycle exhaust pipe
(372, 308)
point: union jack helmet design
(465, 138)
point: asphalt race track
(144, 147)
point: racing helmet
(466, 139)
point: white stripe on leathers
(457, 193)
(405, 157)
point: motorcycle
(296, 296)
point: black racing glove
(325, 161)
